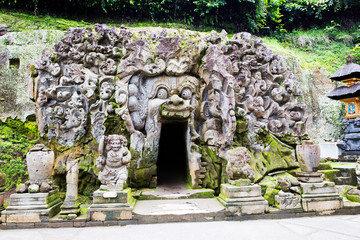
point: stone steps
(172, 192)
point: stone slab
(318, 188)
(177, 207)
(109, 214)
(231, 191)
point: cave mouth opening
(172, 158)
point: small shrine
(349, 147)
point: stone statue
(113, 161)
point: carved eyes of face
(162, 93)
(186, 93)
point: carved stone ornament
(145, 77)
(113, 161)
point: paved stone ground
(329, 227)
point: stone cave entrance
(172, 158)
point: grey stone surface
(328, 227)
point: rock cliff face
(325, 116)
(17, 51)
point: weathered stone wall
(17, 50)
(324, 115)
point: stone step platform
(178, 210)
(170, 192)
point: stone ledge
(273, 214)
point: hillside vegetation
(324, 47)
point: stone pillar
(242, 198)
(70, 208)
(317, 195)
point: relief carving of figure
(113, 161)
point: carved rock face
(143, 78)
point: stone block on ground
(111, 205)
(242, 200)
(320, 197)
(287, 200)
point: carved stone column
(70, 207)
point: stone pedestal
(320, 197)
(242, 200)
(310, 177)
(32, 207)
(110, 205)
(287, 200)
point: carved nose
(176, 100)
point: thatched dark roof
(351, 70)
(345, 92)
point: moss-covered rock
(325, 166)
(330, 175)
(277, 156)
(353, 198)
(270, 186)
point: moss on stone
(353, 198)
(330, 175)
(325, 166)
(16, 138)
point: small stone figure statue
(113, 161)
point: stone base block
(320, 197)
(322, 204)
(111, 205)
(242, 200)
(287, 200)
(112, 196)
(32, 207)
(110, 213)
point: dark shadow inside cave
(172, 158)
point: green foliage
(16, 137)
(257, 16)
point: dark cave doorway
(172, 158)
